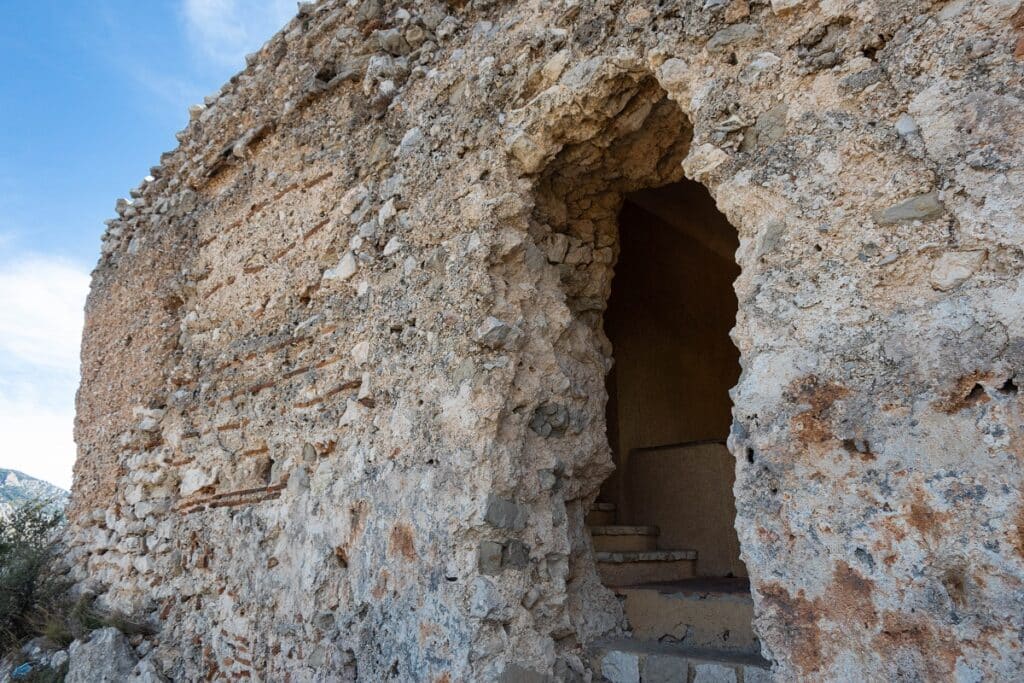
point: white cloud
(41, 302)
(224, 31)
(165, 91)
(41, 313)
(37, 439)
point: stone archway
(628, 140)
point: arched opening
(645, 266)
(663, 529)
(669, 412)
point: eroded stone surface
(105, 657)
(363, 298)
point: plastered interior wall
(687, 494)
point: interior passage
(671, 309)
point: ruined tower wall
(342, 400)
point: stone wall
(343, 398)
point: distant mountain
(17, 488)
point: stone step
(645, 566)
(622, 538)
(629, 660)
(601, 514)
(699, 612)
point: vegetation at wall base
(36, 597)
(33, 590)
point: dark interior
(671, 309)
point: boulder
(105, 657)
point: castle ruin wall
(342, 407)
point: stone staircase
(628, 660)
(629, 555)
(684, 627)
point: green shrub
(84, 617)
(35, 594)
(32, 590)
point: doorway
(669, 315)
(664, 525)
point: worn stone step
(601, 514)
(632, 660)
(622, 538)
(645, 566)
(706, 613)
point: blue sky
(91, 93)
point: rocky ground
(105, 656)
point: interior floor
(703, 585)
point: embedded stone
(550, 419)
(387, 212)
(345, 269)
(354, 413)
(529, 154)
(351, 199)
(415, 36)
(410, 141)
(732, 35)
(489, 557)
(702, 161)
(361, 352)
(769, 129)
(497, 334)
(919, 208)
(786, 6)
(505, 514)
(531, 597)
(392, 41)
(368, 10)
(515, 554)
(954, 268)
(674, 74)
(905, 125)
(736, 10)
(195, 479)
(762, 63)
(487, 602)
(858, 81)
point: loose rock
(105, 657)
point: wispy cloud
(224, 31)
(41, 312)
(168, 91)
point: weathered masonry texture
(343, 399)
